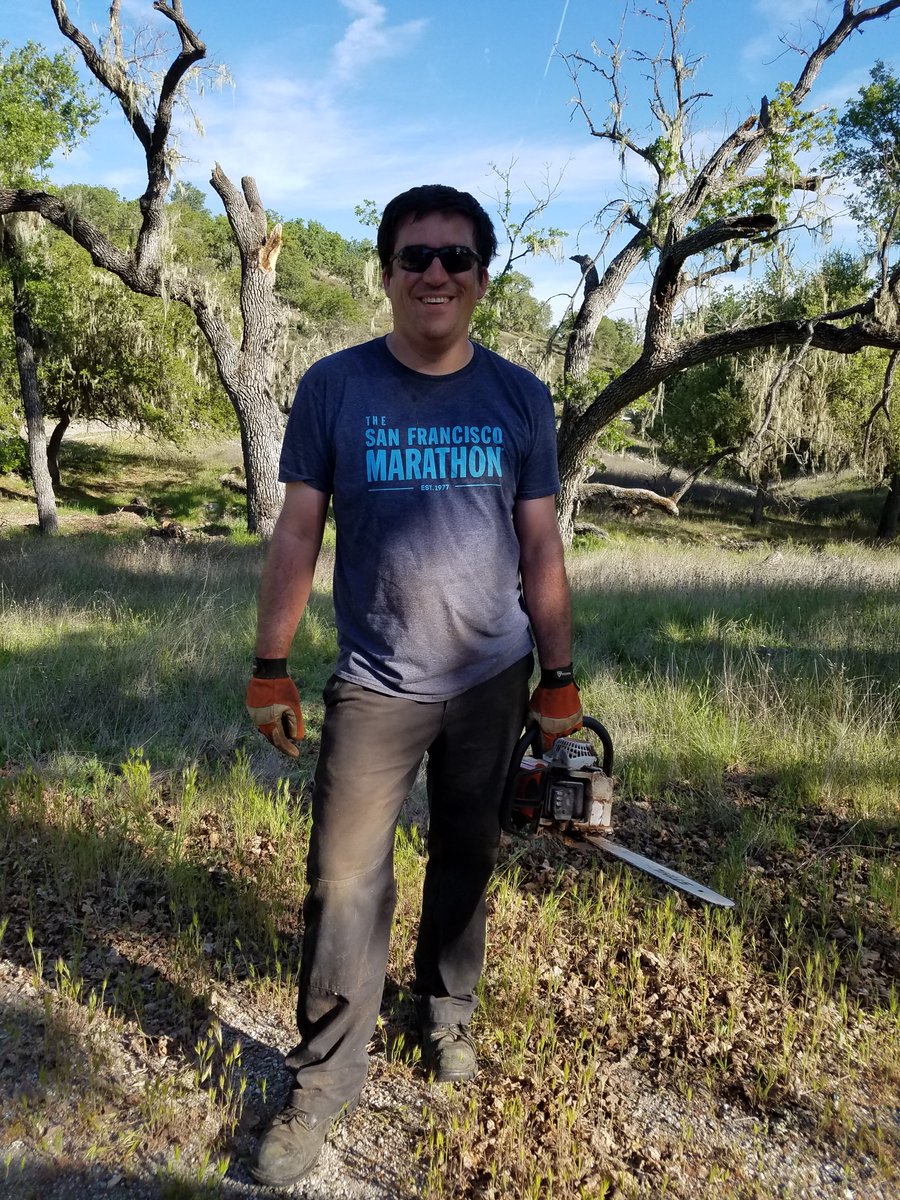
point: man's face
(432, 310)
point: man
(439, 459)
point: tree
(107, 354)
(869, 155)
(43, 108)
(246, 361)
(508, 304)
(711, 208)
(772, 411)
(111, 355)
(323, 276)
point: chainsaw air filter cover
(571, 754)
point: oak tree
(868, 155)
(43, 108)
(704, 214)
(246, 359)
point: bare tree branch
(633, 496)
(713, 461)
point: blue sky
(334, 101)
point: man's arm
(555, 704)
(272, 699)
(288, 572)
(544, 584)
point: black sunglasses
(454, 259)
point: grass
(634, 1043)
(102, 473)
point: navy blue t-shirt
(424, 472)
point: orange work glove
(274, 706)
(555, 705)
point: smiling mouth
(435, 299)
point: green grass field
(635, 1043)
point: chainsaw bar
(666, 874)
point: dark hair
(418, 202)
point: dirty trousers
(372, 746)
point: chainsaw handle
(602, 733)
(532, 739)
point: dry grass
(634, 1043)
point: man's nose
(436, 272)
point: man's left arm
(555, 703)
(545, 587)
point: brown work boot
(449, 1053)
(291, 1145)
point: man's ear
(385, 278)
(485, 280)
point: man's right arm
(272, 699)
(289, 569)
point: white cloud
(369, 38)
(302, 147)
(317, 147)
(313, 144)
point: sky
(332, 102)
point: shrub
(14, 456)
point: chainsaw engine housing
(566, 788)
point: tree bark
(53, 445)
(34, 417)
(261, 446)
(631, 495)
(890, 513)
(599, 293)
(760, 500)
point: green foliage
(821, 408)
(323, 275)
(189, 196)
(615, 347)
(509, 306)
(368, 214)
(793, 132)
(869, 149)
(325, 250)
(202, 243)
(706, 409)
(13, 456)
(43, 108)
(574, 396)
(108, 354)
(119, 219)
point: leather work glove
(274, 705)
(555, 705)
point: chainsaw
(567, 791)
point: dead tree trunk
(714, 459)
(760, 501)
